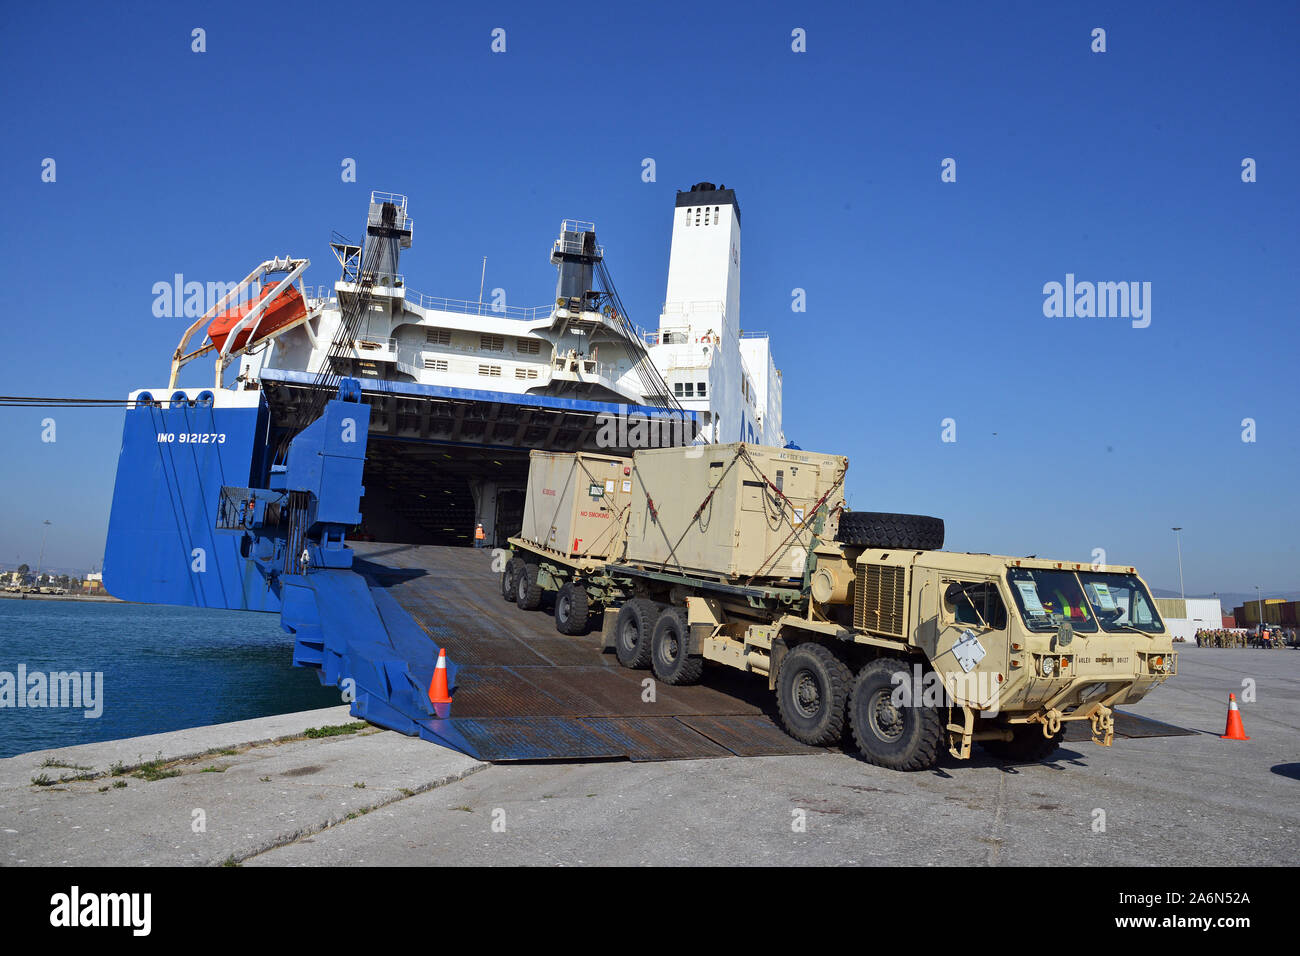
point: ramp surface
(523, 691)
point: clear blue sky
(924, 298)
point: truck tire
(900, 738)
(878, 529)
(669, 646)
(1028, 745)
(632, 633)
(508, 580)
(812, 691)
(572, 609)
(528, 593)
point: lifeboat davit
(283, 310)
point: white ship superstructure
(709, 362)
(578, 346)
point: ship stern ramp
(520, 690)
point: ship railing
(681, 335)
(321, 295)
(401, 221)
(695, 306)
(687, 361)
(466, 307)
(576, 226)
(586, 366)
(397, 199)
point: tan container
(577, 504)
(746, 530)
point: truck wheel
(632, 633)
(669, 643)
(1028, 745)
(572, 609)
(528, 594)
(900, 738)
(812, 689)
(878, 529)
(508, 580)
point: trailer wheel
(508, 580)
(1027, 745)
(878, 529)
(632, 633)
(812, 690)
(669, 646)
(900, 738)
(572, 609)
(528, 594)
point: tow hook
(1103, 726)
(1051, 723)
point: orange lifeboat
(285, 309)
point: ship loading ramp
(523, 691)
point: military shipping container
(731, 511)
(577, 504)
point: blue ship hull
(177, 454)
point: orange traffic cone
(438, 692)
(1234, 730)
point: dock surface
(1189, 799)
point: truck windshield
(1048, 599)
(1121, 602)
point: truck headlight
(1049, 666)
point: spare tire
(878, 529)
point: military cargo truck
(861, 626)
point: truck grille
(878, 599)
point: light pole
(1260, 597)
(40, 562)
(1179, 538)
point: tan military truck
(857, 620)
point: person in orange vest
(479, 536)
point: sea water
(156, 668)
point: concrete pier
(271, 796)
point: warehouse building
(1185, 616)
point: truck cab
(1018, 646)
